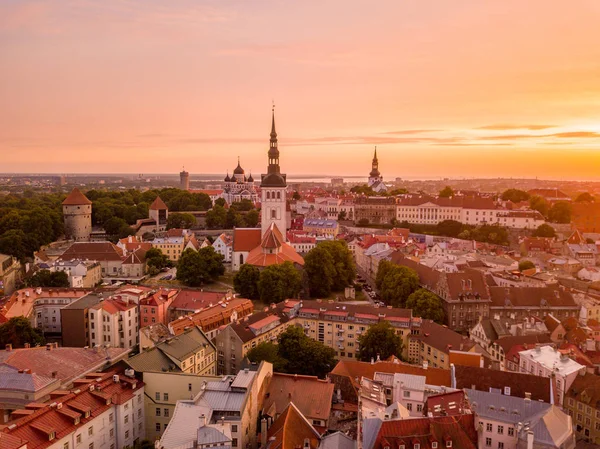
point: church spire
(273, 150)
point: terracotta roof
(470, 281)
(36, 427)
(442, 338)
(158, 204)
(506, 343)
(284, 253)
(196, 299)
(531, 297)
(100, 251)
(586, 389)
(65, 364)
(290, 431)
(76, 198)
(465, 358)
(272, 238)
(213, 317)
(484, 378)
(8, 441)
(243, 329)
(356, 370)
(551, 322)
(246, 239)
(311, 395)
(458, 429)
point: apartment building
(81, 273)
(518, 303)
(375, 209)
(10, 273)
(113, 322)
(582, 403)
(154, 308)
(104, 412)
(231, 405)
(546, 361)
(336, 325)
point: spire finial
(273, 132)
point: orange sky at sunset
(443, 88)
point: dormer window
(417, 446)
(51, 436)
(434, 445)
(449, 443)
(87, 414)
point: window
(189, 387)
(78, 439)
(409, 406)
(126, 434)
(488, 427)
(166, 413)
(406, 394)
(165, 396)
(500, 445)
(111, 432)
(111, 417)
(434, 445)
(234, 442)
(157, 411)
(234, 428)
(420, 409)
(66, 446)
(157, 427)
(488, 442)
(500, 430)
(157, 396)
(91, 430)
(511, 431)
(126, 419)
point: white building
(114, 322)
(546, 361)
(107, 412)
(238, 187)
(223, 245)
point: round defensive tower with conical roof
(77, 215)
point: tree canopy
(426, 304)
(364, 190)
(117, 228)
(196, 268)
(343, 263)
(526, 265)
(279, 282)
(515, 195)
(245, 282)
(585, 197)
(380, 340)
(303, 355)
(156, 260)
(446, 192)
(180, 220)
(396, 283)
(47, 278)
(268, 352)
(560, 212)
(544, 230)
(540, 204)
(17, 331)
(450, 228)
(320, 270)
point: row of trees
(399, 287)
(273, 284)
(220, 218)
(329, 267)
(558, 212)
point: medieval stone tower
(77, 215)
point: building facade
(77, 213)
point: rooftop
(552, 359)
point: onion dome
(227, 178)
(238, 170)
(250, 178)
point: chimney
(425, 364)
(378, 358)
(8, 347)
(202, 420)
(263, 433)
(48, 346)
(372, 361)
(452, 375)
(222, 421)
(529, 439)
(527, 396)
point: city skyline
(460, 90)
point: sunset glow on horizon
(458, 88)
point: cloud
(576, 135)
(413, 131)
(505, 127)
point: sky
(459, 88)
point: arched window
(278, 195)
(241, 259)
(273, 213)
(268, 195)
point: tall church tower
(375, 177)
(273, 189)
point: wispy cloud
(506, 127)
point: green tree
(398, 191)
(179, 220)
(113, 225)
(379, 340)
(245, 282)
(544, 230)
(398, 284)
(196, 268)
(560, 212)
(279, 282)
(343, 263)
(252, 218)
(515, 195)
(303, 355)
(216, 217)
(268, 352)
(426, 304)
(363, 190)
(319, 267)
(243, 206)
(47, 278)
(526, 265)
(585, 197)
(17, 331)
(233, 219)
(220, 202)
(363, 222)
(156, 260)
(296, 196)
(540, 204)
(449, 228)
(342, 215)
(446, 192)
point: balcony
(341, 338)
(341, 331)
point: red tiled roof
(196, 299)
(100, 251)
(458, 429)
(310, 394)
(246, 239)
(213, 317)
(290, 431)
(76, 198)
(286, 253)
(158, 204)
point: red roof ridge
(76, 198)
(158, 204)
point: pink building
(153, 309)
